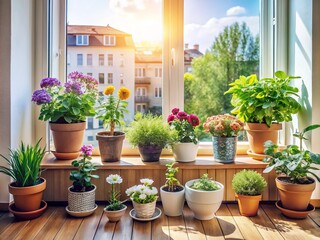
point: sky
(204, 19)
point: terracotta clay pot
(115, 216)
(294, 196)
(67, 138)
(27, 199)
(248, 205)
(259, 133)
(110, 145)
(150, 153)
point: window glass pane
(89, 59)
(221, 43)
(129, 35)
(79, 59)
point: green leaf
(311, 127)
(280, 74)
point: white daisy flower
(146, 181)
(154, 191)
(130, 190)
(142, 196)
(114, 179)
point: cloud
(205, 34)
(234, 11)
(131, 6)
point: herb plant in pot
(144, 197)
(263, 104)
(150, 134)
(115, 209)
(185, 145)
(224, 130)
(293, 164)
(248, 185)
(204, 197)
(27, 187)
(66, 109)
(111, 111)
(172, 193)
(81, 195)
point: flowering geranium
(143, 193)
(223, 126)
(184, 125)
(82, 176)
(112, 109)
(70, 103)
(114, 203)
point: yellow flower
(124, 93)
(109, 90)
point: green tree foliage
(234, 52)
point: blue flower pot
(224, 149)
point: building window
(156, 92)
(158, 72)
(90, 138)
(160, 92)
(89, 59)
(121, 60)
(110, 59)
(109, 40)
(79, 59)
(110, 78)
(89, 74)
(90, 123)
(141, 108)
(140, 72)
(82, 40)
(101, 78)
(101, 59)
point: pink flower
(234, 126)
(87, 150)
(194, 120)
(182, 116)
(219, 128)
(175, 111)
(170, 118)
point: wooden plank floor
(269, 224)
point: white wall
(17, 73)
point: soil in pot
(110, 145)
(294, 196)
(150, 153)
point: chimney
(196, 47)
(186, 45)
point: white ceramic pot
(185, 152)
(172, 202)
(204, 204)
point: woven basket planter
(144, 210)
(81, 201)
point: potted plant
(224, 130)
(248, 185)
(27, 186)
(111, 111)
(116, 209)
(293, 164)
(144, 198)
(263, 104)
(185, 145)
(150, 134)
(172, 193)
(81, 195)
(66, 109)
(204, 196)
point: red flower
(170, 118)
(175, 111)
(194, 120)
(182, 116)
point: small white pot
(204, 204)
(172, 202)
(185, 152)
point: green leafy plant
(114, 203)
(82, 176)
(248, 182)
(172, 183)
(266, 100)
(205, 184)
(111, 109)
(148, 130)
(144, 192)
(293, 161)
(24, 164)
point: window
(89, 59)
(101, 78)
(110, 78)
(82, 40)
(158, 72)
(110, 59)
(141, 91)
(101, 59)
(109, 40)
(89, 123)
(140, 72)
(89, 74)
(79, 59)
(158, 92)
(90, 138)
(121, 60)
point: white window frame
(110, 59)
(140, 72)
(82, 40)
(101, 59)
(109, 40)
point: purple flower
(75, 75)
(41, 96)
(49, 82)
(73, 86)
(194, 120)
(182, 116)
(170, 118)
(175, 111)
(87, 149)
